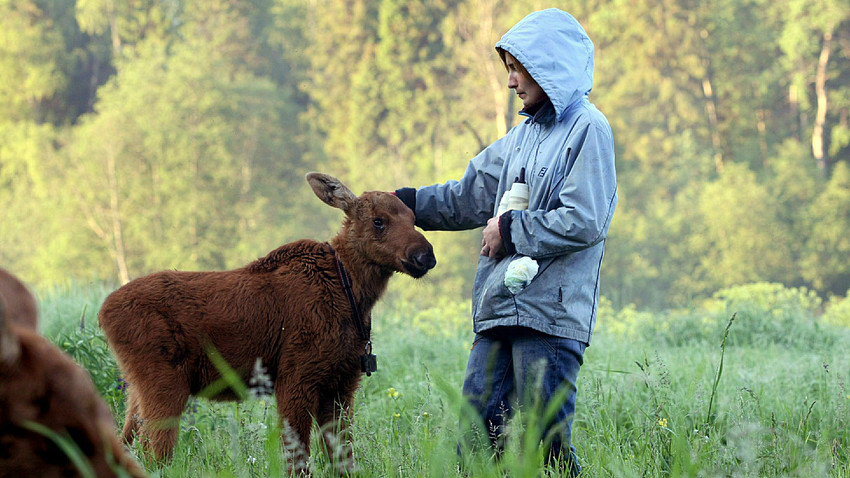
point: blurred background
(141, 135)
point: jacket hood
(556, 51)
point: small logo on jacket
(542, 172)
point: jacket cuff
(505, 231)
(408, 197)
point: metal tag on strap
(368, 361)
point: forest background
(140, 135)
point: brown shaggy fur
(40, 384)
(288, 309)
(18, 303)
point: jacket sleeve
(587, 198)
(467, 203)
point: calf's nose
(425, 259)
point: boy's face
(525, 87)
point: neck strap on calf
(368, 362)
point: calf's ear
(330, 190)
(10, 346)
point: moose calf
(43, 392)
(303, 310)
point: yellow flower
(426, 414)
(662, 422)
(396, 415)
(392, 393)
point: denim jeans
(512, 367)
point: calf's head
(17, 306)
(9, 345)
(378, 226)
(20, 305)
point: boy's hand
(491, 244)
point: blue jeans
(513, 367)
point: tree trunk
(479, 35)
(795, 111)
(113, 30)
(494, 73)
(710, 102)
(761, 127)
(119, 253)
(818, 147)
(711, 111)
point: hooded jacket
(567, 151)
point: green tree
(809, 41)
(739, 238)
(828, 235)
(387, 98)
(731, 121)
(31, 215)
(652, 68)
(188, 140)
(43, 60)
(794, 182)
(128, 22)
(692, 88)
(29, 52)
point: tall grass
(653, 399)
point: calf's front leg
(296, 406)
(334, 419)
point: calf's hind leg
(159, 409)
(131, 422)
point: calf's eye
(379, 224)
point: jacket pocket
(492, 298)
(544, 298)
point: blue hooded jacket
(567, 151)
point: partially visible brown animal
(18, 303)
(41, 388)
(289, 309)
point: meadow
(753, 382)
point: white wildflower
(260, 384)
